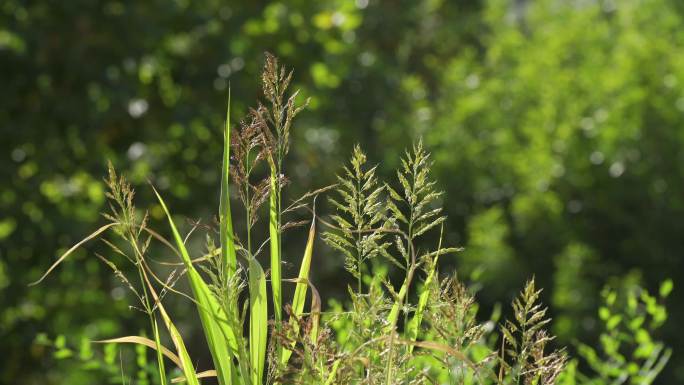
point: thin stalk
(359, 251)
(160, 356)
(148, 308)
(248, 208)
(408, 261)
(403, 296)
(186, 363)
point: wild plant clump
(421, 329)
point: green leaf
(333, 373)
(226, 227)
(183, 356)
(396, 307)
(158, 347)
(302, 285)
(414, 325)
(666, 288)
(186, 362)
(274, 234)
(258, 320)
(613, 321)
(220, 337)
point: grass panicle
(360, 218)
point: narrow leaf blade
(302, 285)
(220, 337)
(258, 322)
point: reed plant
(422, 329)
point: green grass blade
(258, 320)
(333, 373)
(160, 358)
(220, 337)
(186, 362)
(274, 233)
(302, 285)
(226, 235)
(305, 267)
(396, 307)
(414, 325)
(226, 227)
(183, 356)
(217, 339)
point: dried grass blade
(72, 249)
(145, 342)
(204, 374)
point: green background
(557, 131)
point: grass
(379, 336)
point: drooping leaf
(64, 256)
(145, 342)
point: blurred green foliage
(556, 128)
(627, 349)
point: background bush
(555, 128)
